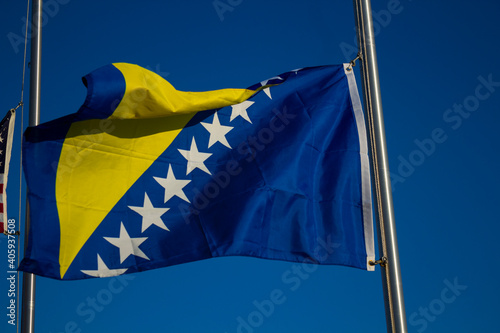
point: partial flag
(144, 176)
(6, 136)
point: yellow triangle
(102, 158)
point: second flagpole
(388, 245)
(28, 291)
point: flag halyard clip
(18, 105)
(382, 262)
(352, 63)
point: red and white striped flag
(6, 135)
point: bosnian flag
(6, 135)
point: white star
(241, 110)
(263, 83)
(128, 246)
(172, 185)
(267, 90)
(1, 139)
(195, 158)
(1, 152)
(150, 215)
(217, 132)
(103, 270)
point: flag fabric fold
(144, 176)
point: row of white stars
(173, 187)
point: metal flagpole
(388, 246)
(28, 293)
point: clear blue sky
(440, 82)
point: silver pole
(388, 245)
(36, 59)
(28, 293)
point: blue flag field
(144, 176)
